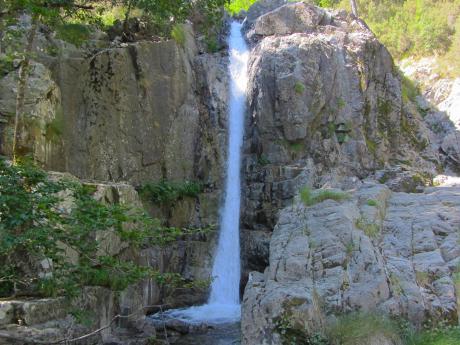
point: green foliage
(35, 227)
(371, 230)
(439, 335)
(325, 3)
(166, 192)
(412, 27)
(342, 137)
(54, 129)
(372, 202)
(371, 146)
(178, 34)
(299, 88)
(212, 45)
(83, 317)
(341, 103)
(310, 197)
(293, 334)
(263, 160)
(236, 6)
(74, 33)
(359, 328)
(408, 89)
(450, 63)
(6, 64)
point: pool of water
(225, 334)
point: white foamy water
(224, 302)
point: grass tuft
(371, 230)
(310, 198)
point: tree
(49, 12)
(354, 7)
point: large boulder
(376, 252)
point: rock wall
(129, 114)
(325, 109)
(379, 251)
(132, 112)
(440, 103)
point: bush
(359, 328)
(310, 198)
(370, 229)
(299, 88)
(372, 202)
(410, 27)
(166, 192)
(35, 227)
(442, 335)
(178, 34)
(74, 33)
(236, 6)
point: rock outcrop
(440, 103)
(49, 319)
(378, 251)
(325, 109)
(136, 112)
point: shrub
(370, 229)
(236, 6)
(74, 33)
(262, 160)
(310, 198)
(35, 227)
(166, 192)
(410, 27)
(299, 88)
(359, 328)
(441, 335)
(178, 34)
(372, 202)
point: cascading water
(224, 302)
(226, 269)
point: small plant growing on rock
(371, 230)
(164, 192)
(299, 88)
(341, 103)
(263, 160)
(310, 198)
(372, 202)
(422, 278)
(350, 247)
(361, 328)
(178, 34)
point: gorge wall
(327, 109)
(121, 115)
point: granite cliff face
(131, 112)
(123, 115)
(326, 109)
(379, 251)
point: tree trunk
(127, 15)
(354, 8)
(22, 85)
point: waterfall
(224, 301)
(226, 268)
